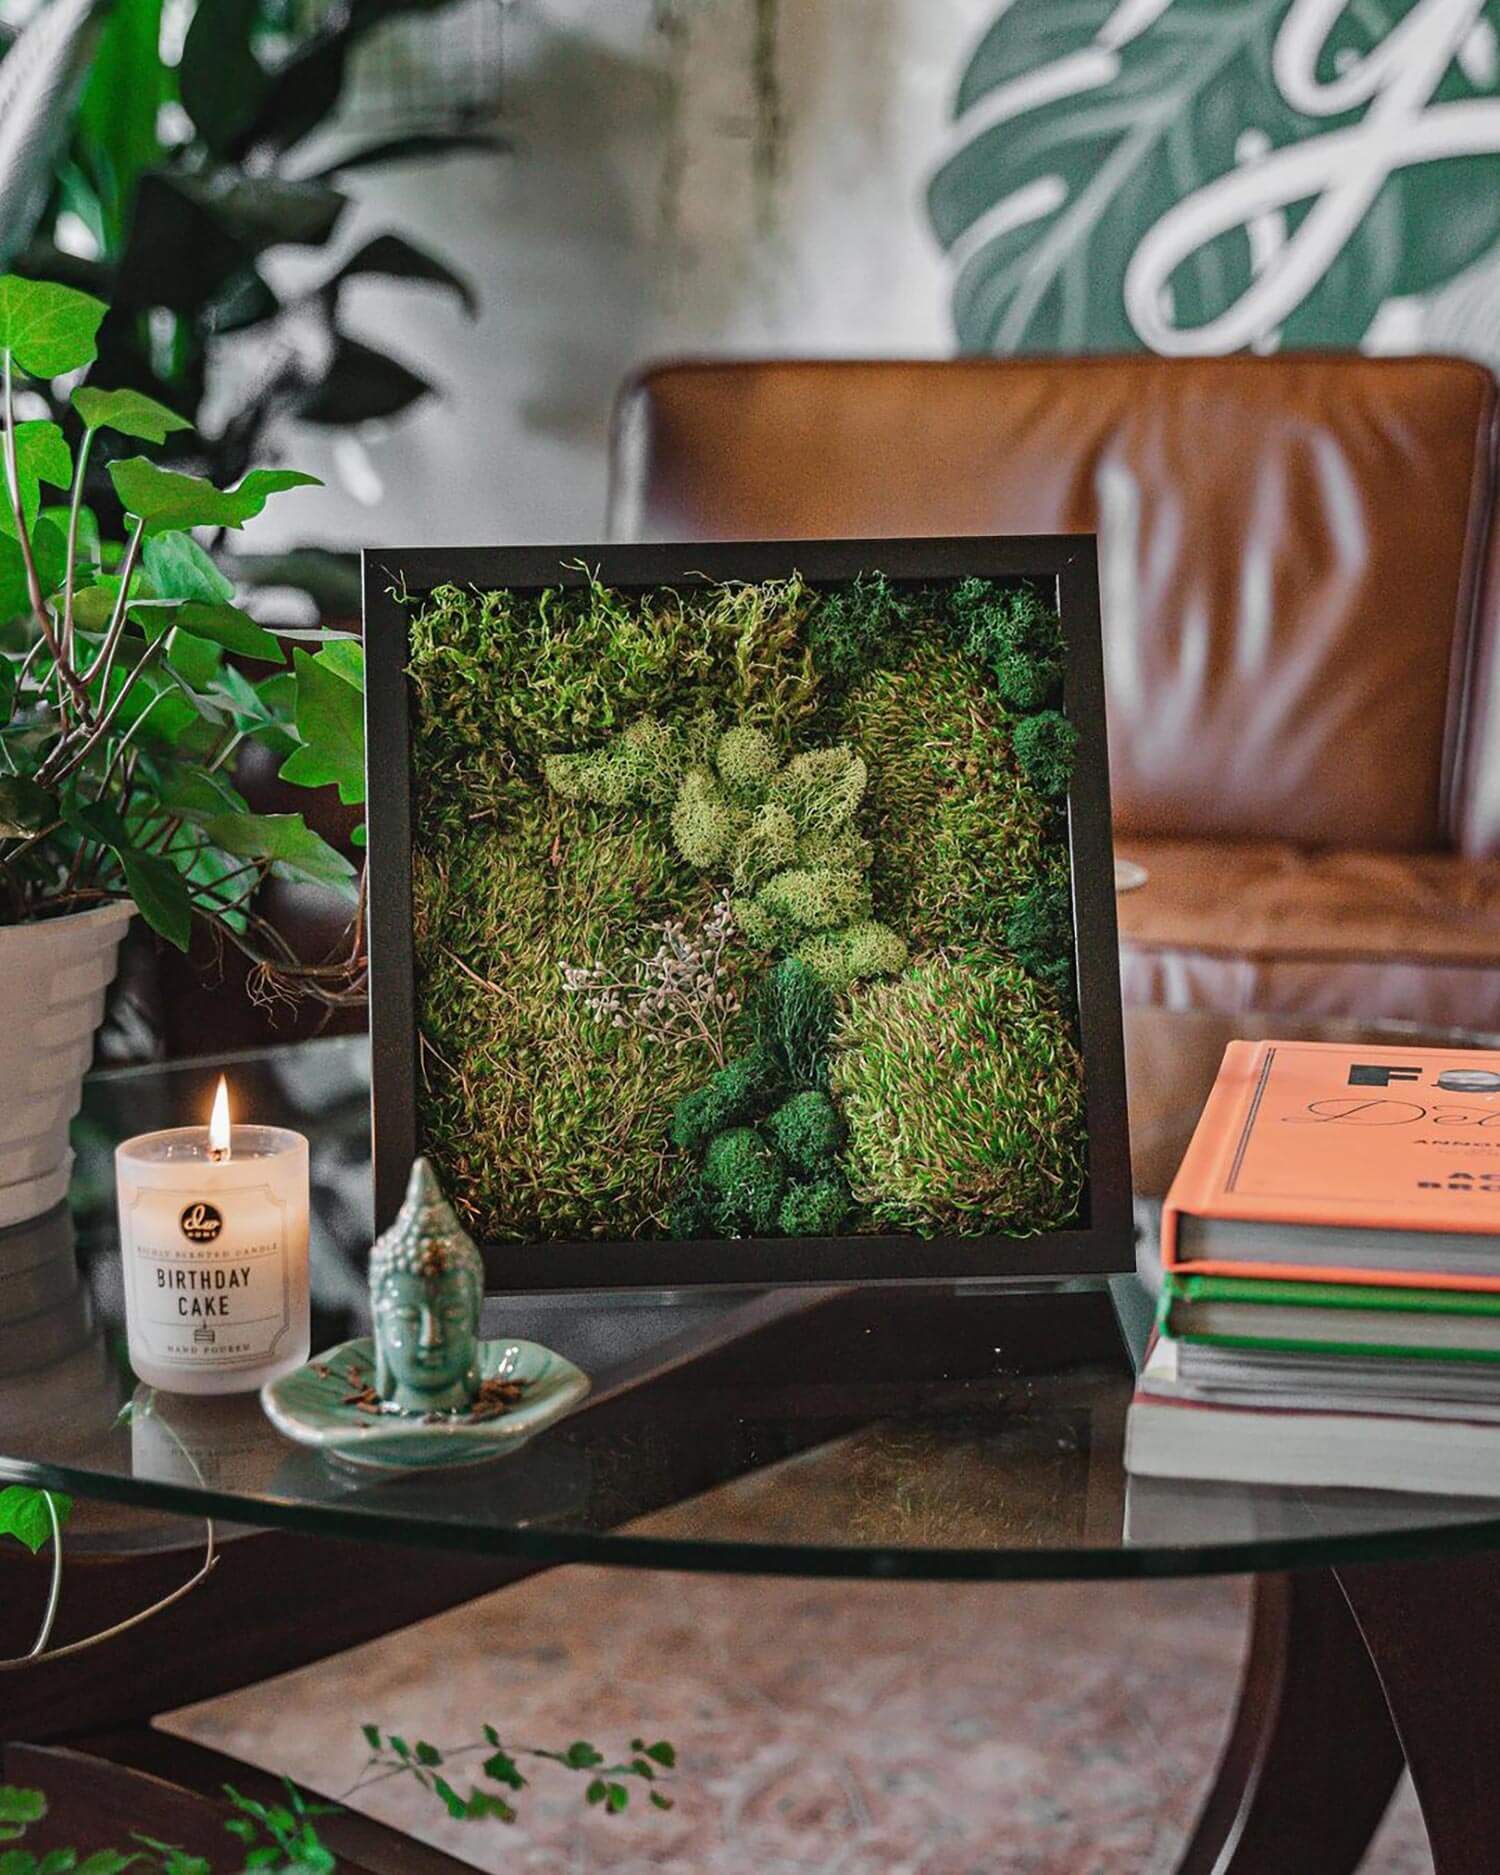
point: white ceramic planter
(53, 976)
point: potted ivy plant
(130, 681)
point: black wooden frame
(1102, 1244)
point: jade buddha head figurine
(426, 1289)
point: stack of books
(1330, 1308)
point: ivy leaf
(128, 413)
(582, 1756)
(503, 1768)
(295, 852)
(48, 329)
(24, 1515)
(663, 1752)
(179, 569)
(25, 807)
(42, 455)
(231, 629)
(161, 895)
(18, 1805)
(372, 1736)
(331, 724)
(107, 1862)
(428, 1754)
(58, 1862)
(166, 500)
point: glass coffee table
(890, 1433)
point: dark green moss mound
(746, 1178)
(1014, 634)
(963, 1095)
(740, 1091)
(1045, 746)
(816, 1209)
(792, 1013)
(1039, 931)
(806, 1131)
(853, 627)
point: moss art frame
(743, 914)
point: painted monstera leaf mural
(1203, 176)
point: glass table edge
(556, 1548)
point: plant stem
(97, 734)
(66, 673)
(75, 507)
(106, 657)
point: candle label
(210, 1282)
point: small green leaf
(58, 1862)
(296, 852)
(242, 1827)
(17, 1861)
(597, 1791)
(161, 895)
(331, 723)
(504, 1770)
(107, 1862)
(47, 329)
(25, 808)
(166, 500)
(42, 455)
(372, 1736)
(491, 1736)
(663, 1752)
(427, 1754)
(179, 569)
(360, 836)
(660, 1801)
(484, 1803)
(17, 1804)
(129, 413)
(234, 630)
(617, 1798)
(398, 1745)
(345, 657)
(455, 1805)
(263, 1857)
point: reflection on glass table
(920, 1432)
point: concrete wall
(647, 211)
(675, 191)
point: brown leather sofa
(1300, 571)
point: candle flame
(218, 1122)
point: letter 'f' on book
(1335, 1163)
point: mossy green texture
(963, 1095)
(1045, 746)
(818, 1208)
(746, 1177)
(1015, 634)
(857, 774)
(784, 833)
(792, 1012)
(807, 1131)
(958, 831)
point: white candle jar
(215, 1257)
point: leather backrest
(1290, 551)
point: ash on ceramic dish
(496, 1397)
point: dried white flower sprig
(680, 995)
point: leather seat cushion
(1262, 925)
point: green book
(1330, 1318)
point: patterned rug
(825, 1728)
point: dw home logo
(201, 1222)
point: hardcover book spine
(1200, 1177)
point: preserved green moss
(1045, 747)
(839, 959)
(806, 1131)
(746, 1177)
(816, 1209)
(792, 1013)
(963, 1096)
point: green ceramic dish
(308, 1406)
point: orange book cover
(1345, 1134)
